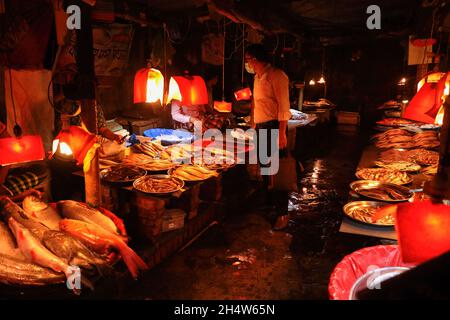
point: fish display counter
(66, 242)
(392, 170)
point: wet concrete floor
(242, 258)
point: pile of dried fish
(402, 139)
(149, 148)
(47, 242)
(158, 184)
(398, 122)
(122, 173)
(384, 175)
(181, 151)
(424, 157)
(367, 212)
(399, 165)
(419, 156)
(430, 170)
(381, 191)
(192, 172)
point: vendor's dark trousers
(276, 201)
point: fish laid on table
(100, 240)
(7, 244)
(14, 271)
(42, 212)
(193, 173)
(60, 244)
(79, 211)
(71, 250)
(35, 252)
(9, 209)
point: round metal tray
(171, 172)
(351, 206)
(158, 176)
(361, 185)
(139, 171)
(410, 178)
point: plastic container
(169, 136)
(173, 219)
(358, 264)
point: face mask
(249, 69)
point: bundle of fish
(180, 151)
(192, 173)
(403, 139)
(42, 243)
(149, 148)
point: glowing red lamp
(19, 150)
(243, 94)
(148, 86)
(74, 142)
(222, 106)
(189, 90)
(423, 230)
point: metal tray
(350, 207)
(171, 172)
(104, 174)
(410, 178)
(136, 184)
(362, 185)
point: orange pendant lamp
(189, 90)
(73, 142)
(423, 230)
(148, 86)
(243, 94)
(223, 106)
(22, 149)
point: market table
(369, 156)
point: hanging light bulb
(402, 82)
(73, 143)
(243, 94)
(321, 80)
(148, 86)
(223, 106)
(312, 82)
(189, 90)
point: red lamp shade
(222, 106)
(428, 100)
(148, 86)
(423, 230)
(243, 94)
(189, 90)
(423, 42)
(76, 141)
(19, 150)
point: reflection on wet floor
(242, 258)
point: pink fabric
(358, 263)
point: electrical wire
(11, 91)
(431, 37)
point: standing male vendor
(271, 110)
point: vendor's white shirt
(271, 96)
(183, 114)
